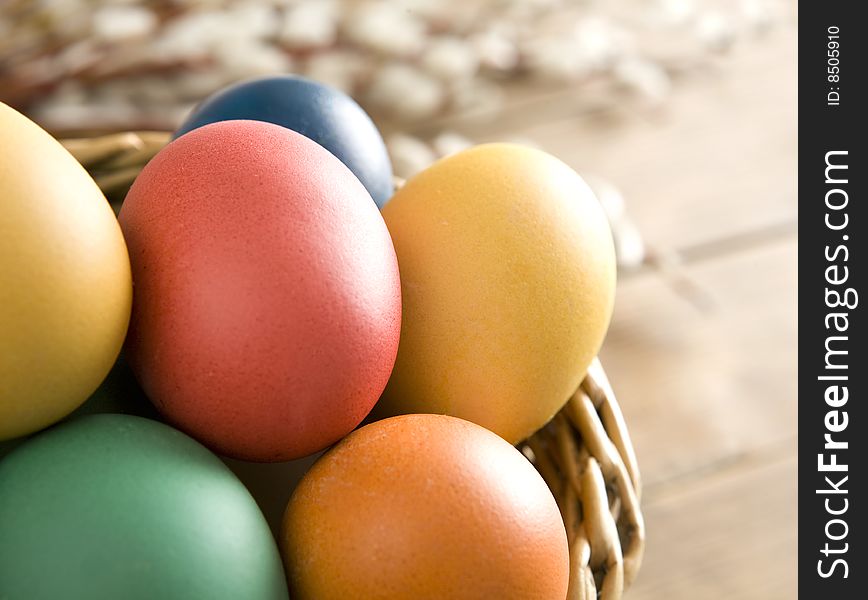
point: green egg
(116, 506)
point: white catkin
(310, 25)
(630, 248)
(252, 58)
(716, 31)
(449, 142)
(608, 195)
(646, 78)
(406, 91)
(409, 154)
(339, 68)
(495, 50)
(449, 55)
(117, 23)
(387, 29)
(450, 59)
(674, 12)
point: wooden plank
(730, 535)
(700, 388)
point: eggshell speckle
(266, 307)
(424, 506)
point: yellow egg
(65, 287)
(508, 278)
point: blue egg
(324, 114)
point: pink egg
(267, 304)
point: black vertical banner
(833, 368)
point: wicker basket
(587, 459)
(585, 454)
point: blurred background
(680, 113)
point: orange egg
(424, 506)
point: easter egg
(508, 280)
(424, 506)
(267, 303)
(65, 288)
(324, 114)
(116, 506)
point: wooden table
(709, 392)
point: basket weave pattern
(584, 454)
(586, 457)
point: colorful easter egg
(65, 288)
(424, 506)
(116, 506)
(267, 302)
(508, 281)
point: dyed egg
(65, 288)
(267, 303)
(324, 114)
(424, 506)
(508, 281)
(115, 506)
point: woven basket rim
(587, 459)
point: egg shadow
(271, 484)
